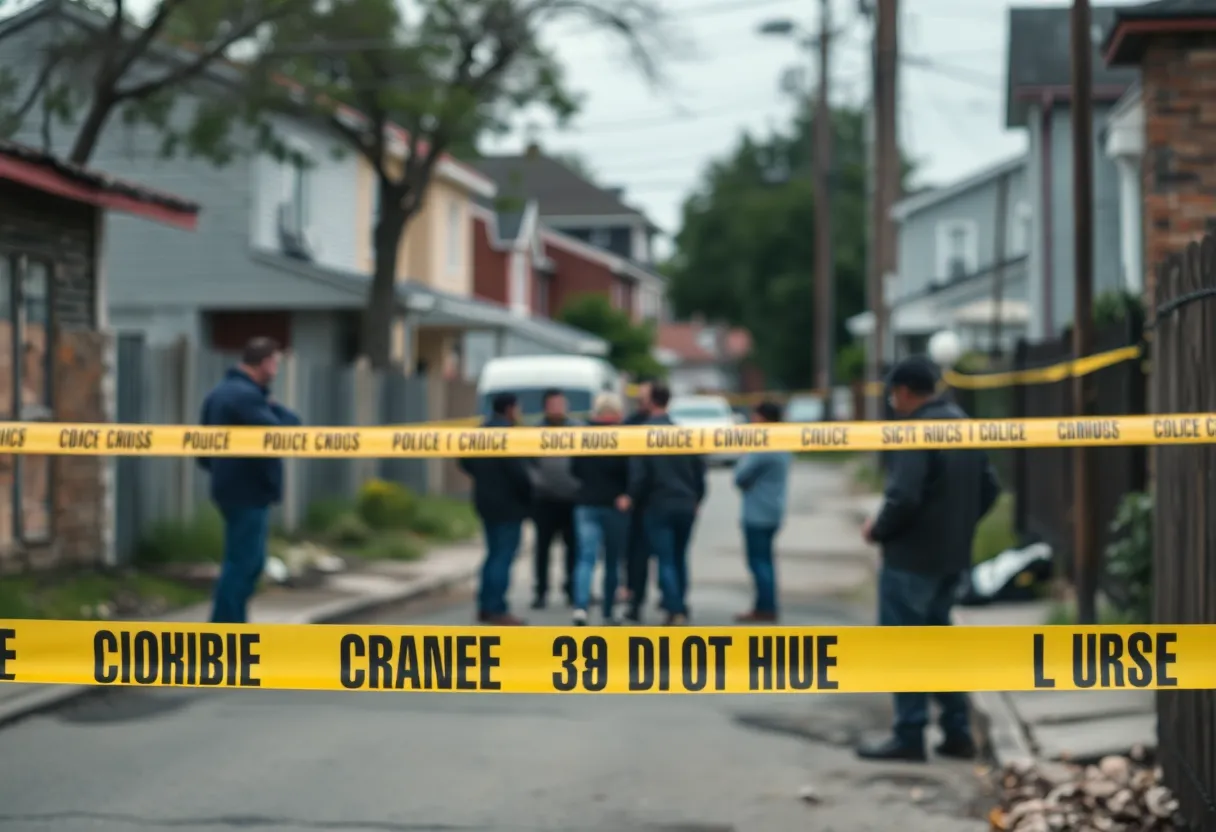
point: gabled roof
(926, 198)
(44, 172)
(1039, 66)
(1124, 44)
(559, 191)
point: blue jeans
(597, 527)
(909, 599)
(669, 534)
(502, 543)
(758, 541)
(246, 530)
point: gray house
(963, 251)
(283, 248)
(1038, 100)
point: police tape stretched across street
(615, 660)
(433, 441)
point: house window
(957, 254)
(455, 236)
(25, 394)
(1019, 242)
(297, 186)
(601, 238)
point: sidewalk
(341, 596)
(1057, 725)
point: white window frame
(640, 244)
(517, 284)
(455, 236)
(296, 185)
(945, 230)
(1021, 229)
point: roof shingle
(557, 190)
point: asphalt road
(283, 762)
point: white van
(581, 378)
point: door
(26, 386)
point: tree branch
(13, 120)
(139, 45)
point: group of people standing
(625, 511)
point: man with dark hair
(670, 490)
(933, 500)
(502, 496)
(638, 554)
(553, 504)
(244, 488)
(763, 478)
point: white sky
(654, 143)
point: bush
(393, 546)
(445, 519)
(385, 505)
(321, 515)
(995, 533)
(201, 538)
(1129, 557)
(348, 530)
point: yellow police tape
(609, 660)
(426, 441)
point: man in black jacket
(502, 496)
(553, 505)
(638, 556)
(670, 490)
(932, 503)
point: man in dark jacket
(670, 490)
(638, 555)
(932, 503)
(599, 522)
(502, 497)
(553, 505)
(244, 489)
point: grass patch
(199, 539)
(398, 546)
(88, 595)
(444, 519)
(995, 532)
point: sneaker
(957, 748)
(677, 620)
(538, 603)
(580, 618)
(891, 750)
(756, 617)
(633, 616)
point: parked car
(705, 412)
(579, 377)
(805, 409)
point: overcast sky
(655, 142)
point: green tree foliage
(444, 71)
(102, 60)
(631, 344)
(745, 253)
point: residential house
(582, 212)
(283, 248)
(1163, 134)
(702, 357)
(55, 357)
(1038, 100)
(962, 262)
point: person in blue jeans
(670, 489)
(763, 479)
(599, 524)
(244, 489)
(932, 502)
(502, 497)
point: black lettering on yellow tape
(206, 441)
(442, 663)
(1114, 660)
(8, 654)
(175, 658)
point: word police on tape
(431, 441)
(617, 660)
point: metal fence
(166, 384)
(1184, 560)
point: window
(1019, 234)
(297, 187)
(601, 238)
(957, 254)
(455, 236)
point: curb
(1004, 734)
(45, 697)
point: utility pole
(887, 176)
(825, 267)
(999, 255)
(1085, 537)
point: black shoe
(538, 603)
(633, 616)
(891, 749)
(957, 748)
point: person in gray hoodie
(763, 478)
(555, 488)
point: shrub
(201, 538)
(1129, 557)
(348, 530)
(445, 519)
(995, 533)
(385, 505)
(321, 515)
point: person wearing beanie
(932, 503)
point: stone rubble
(1119, 794)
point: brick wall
(1179, 168)
(576, 275)
(489, 265)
